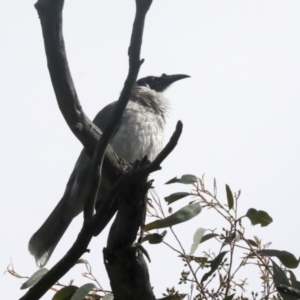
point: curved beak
(166, 80)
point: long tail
(44, 241)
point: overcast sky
(240, 111)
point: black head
(159, 84)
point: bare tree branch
(124, 262)
(108, 207)
(50, 12)
(142, 6)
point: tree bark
(125, 264)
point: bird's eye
(152, 78)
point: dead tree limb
(50, 13)
(124, 262)
(142, 7)
(86, 234)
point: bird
(139, 134)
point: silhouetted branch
(108, 207)
(124, 262)
(135, 63)
(50, 12)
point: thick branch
(142, 6)
(102, 217)
(125, 264)
(108, 207)
(50, 12)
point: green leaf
(176, 196)
(155, 238)
(185, 179)
(208, 237)
(286, 258)
(83, 291)
(229, 197)
(34, 278)
(293, 279)
(214, 265)
(182, 215)
(230, 297)
(281, 278)
(252, 243)
(259, 217)
(65, 293)
(197, 239)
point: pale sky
(240, 111)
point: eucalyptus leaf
(185, 179)
(252, 243)
(281, 278)
(214, 265)
(176, 196)
(230, 297)
(65, 293)
(286, 258)
(182, 215)
(197, 239)
(208, 237)
(34, 278)
(83, 291)
(293, 279)
(259, 217)
(155, 238)
(230, 200)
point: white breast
(140, 133)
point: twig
(134, 67)
(190, 266)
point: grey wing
(44, 241)
(77, 184)
(104, 115)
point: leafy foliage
(184, 214)
(286, 258)
(213, 274)
(221, 281)
(259, 217)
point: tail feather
(44, 241)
